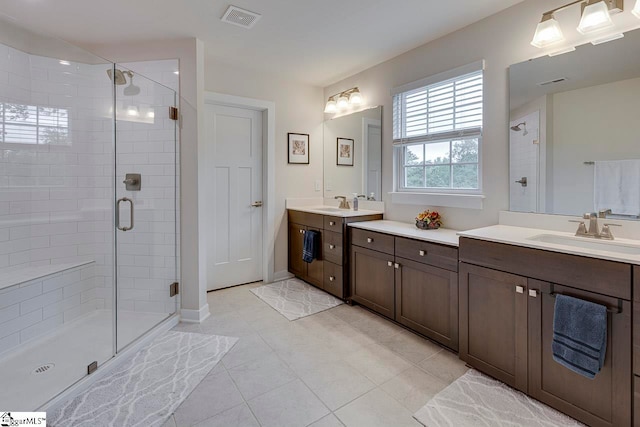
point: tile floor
(341, 367)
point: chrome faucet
(593, 227)
(343, 202)
(604, 212)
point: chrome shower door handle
(130, 227)
(522, 181)
(257, 204)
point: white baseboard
(282, 275)
(195, 316)
(105, 369)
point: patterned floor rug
(477, 400)
(147, 388)
(295, 299)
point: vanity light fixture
(595, 16)
(342, 100)
(548, 32)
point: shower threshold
(37, 372)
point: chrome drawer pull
(519, 289)
(302, 231)
(332, 246)
(332, 223)
(533, 293)
(369, 240)
(331, 278)
(396, 266)
(422, 253)
(390, 263)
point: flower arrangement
(428, 220)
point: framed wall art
(345, 152)
(299, 148)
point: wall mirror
(574, 145)
(353, 154)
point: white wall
(579, 136)
(298, 109)
(501, 40)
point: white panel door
(234, 196)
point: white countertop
(333, 211)
(521, 236)
(445, 236)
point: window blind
(439, 111)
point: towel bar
(609, 310)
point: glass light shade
(595, 17)
(547, 33)
(636, 9)
(343, 102)
(355, 98)
(331, 106)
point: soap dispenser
(355, 201)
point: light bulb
(355, 98)
(151, 114)
(595, 17)
(132, 111)
(331, 106)
(343, 102)
(548, 32)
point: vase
(423, 225)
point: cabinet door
(296, 243)
(372, 280)
(602, 401)
(493, 323)
(427, 301)
(315, 274)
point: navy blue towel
(579, 335)
(310, 248)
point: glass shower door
(146, 183)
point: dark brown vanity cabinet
(506, 325)
(410, 281)
(329, 271)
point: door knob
(522, 181)
(257, 204)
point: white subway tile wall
(37, 307)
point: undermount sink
(331, 209)
(587, 243)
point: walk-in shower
(80, 280)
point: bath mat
(295, 299)
(477, 400)
(147, 387)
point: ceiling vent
(240, 17)
(553, 82)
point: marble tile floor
(341, 367)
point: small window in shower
(31, 124)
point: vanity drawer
(333, 223)
(427, 253)
(332, 247)
(305, 218)
(333, 279)
(372, 240)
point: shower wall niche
(74, 289)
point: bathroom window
(31, 124)
(437, 132)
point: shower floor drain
(42, 369)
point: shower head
(517, 128)
(132, 89)
(119, 76)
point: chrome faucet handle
(604, 212)
(606, 231)
(582, 229)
